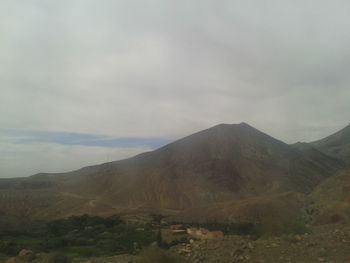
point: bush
(80, 241)
(108, 245)
(80, 223)
(280, 226)
(55, 243)
(59, 258)
(9, 248)
(156, 255)
(80, 236)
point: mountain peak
(225, 132)
(233, 126)
(244, 124)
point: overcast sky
(89, 81)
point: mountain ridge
(336, 144)
(223, 164)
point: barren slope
(337, 144)
(221, 164)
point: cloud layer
(163, 69)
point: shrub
(84, 252)
(156, 255)
(108, 245)
(9, 248)
(59, 258)
(55, 243)
(280, 226)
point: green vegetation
(272, 226)
(58, 258)
(156, 255)
(82, 236)
(93, 236)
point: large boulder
(26, 255)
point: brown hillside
(337, 144)
(217, 165)
(331, 200)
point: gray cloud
(168, 68)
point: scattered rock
(297, 238)
(250, 245)
(240, 258)
(184, 251)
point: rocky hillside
(337, 144)
(330, 202)
(217, 166)
(321, 244)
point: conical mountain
(223, 163)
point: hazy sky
(89, 81)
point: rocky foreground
(330, 244)
(325, 244)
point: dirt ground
(330, 244)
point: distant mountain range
(225, 173)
